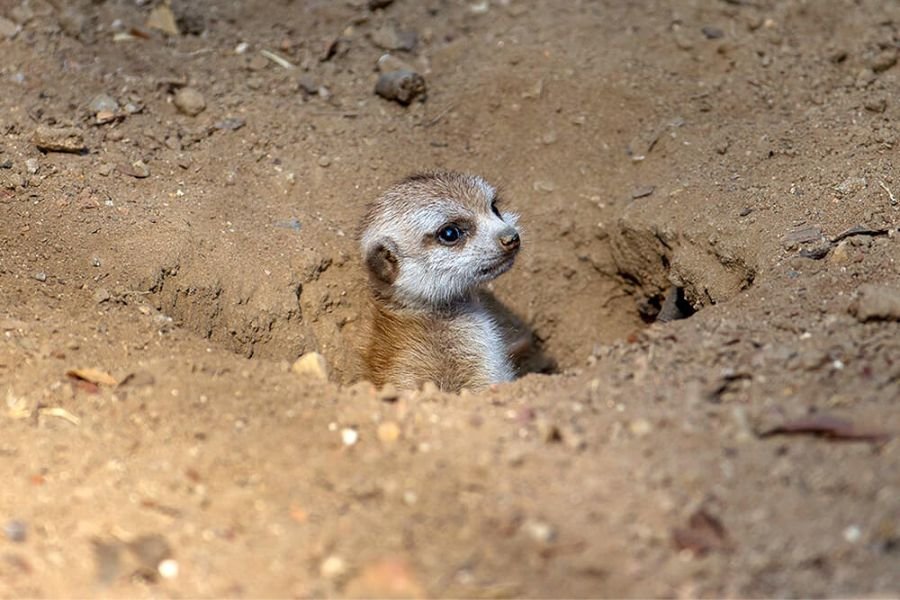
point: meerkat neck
(449, 309)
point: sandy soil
(718, 151)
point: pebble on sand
(59, 139)
(189, 101)
(311, 364)
(877, 303)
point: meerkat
(429, 244)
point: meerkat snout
(428, 244)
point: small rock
(539, 531)
(376, 4)
(388, 432)
(40, 276)
(230, 124)
(168, 569)
(32, 165)
(311, 364)
(877, 303)
(105, 116)
(103, 103)
(324, 161)
(8, 29)
(883, 60)
(851, 185)
(308, 84)
(388, 37)
(101, 295)
(643, 191)
(401, 86)
(163, 19)
(138, 169)
(189, 101)
(106, 169)
(852, 534)
(386, 578)
(865, 78)
(682, 37)
(6, 164)
(59, 139)
(189, 19)
(333, 567)
(15, 530)
(640, 427)
(712, 33)
(73, 22)
(349, 436)
(803, 235)
(22, 14)
(875, 104)
(841, 253)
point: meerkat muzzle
(509, 241)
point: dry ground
(719, 148)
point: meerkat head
(430, 239)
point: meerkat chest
(479, 334)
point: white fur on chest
(485, 339)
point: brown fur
(408, 348)
(438, 333)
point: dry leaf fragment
(95, 376)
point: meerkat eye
(449, 235)
(496, 210)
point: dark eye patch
(494, 208)
(454, 232)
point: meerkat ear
(381, 259)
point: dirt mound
(704, 188)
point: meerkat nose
(509, 241)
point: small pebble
(712, 33)
(324, 161)
(40, 276)
(388, 432)
(15, 530)
(539, 531)
(189, 101)
(103, 103)
(8, 29)
(877, 303)
(640, 427)
(59, 139)
(401, 86)
(168, 569)
(101, 295)
(333, 567)
(311, 364)
(349, 436)
(852, 534)
(32, 165)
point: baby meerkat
(429, 243)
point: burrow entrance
(615, 286)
